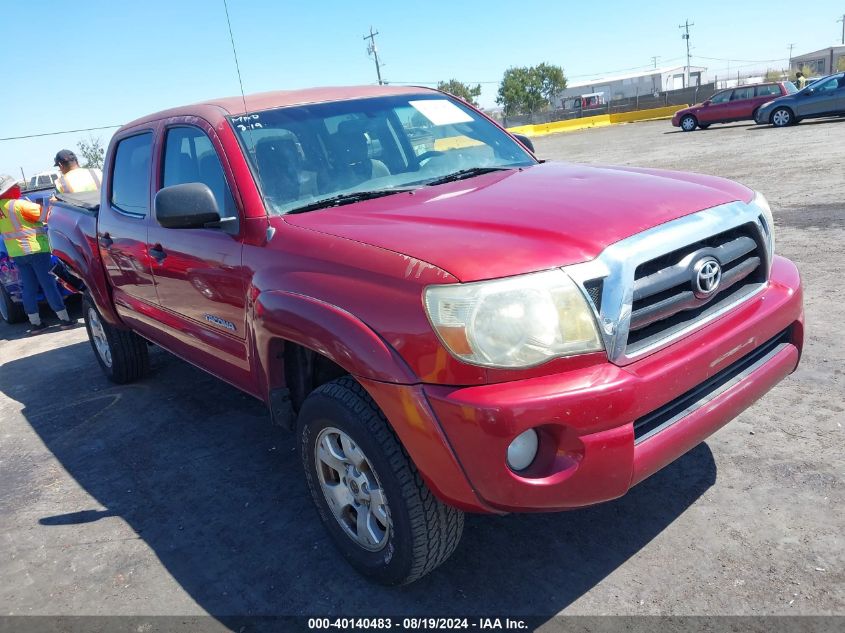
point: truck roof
(279, 98)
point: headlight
(768, 219)
(515, 322)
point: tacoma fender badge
(216, 320)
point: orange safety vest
(22, 227)
(79, 179)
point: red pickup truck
(448, 327)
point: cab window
(130, 188)
(189, 156)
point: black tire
(423, 531)
(127, 358)
(10, 311)
(704, 126)
(782, 117)
(688, 123)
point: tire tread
(436, 527)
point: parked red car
(464, 328)
(736, 104)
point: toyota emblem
(706, 277)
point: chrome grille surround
(616, 267)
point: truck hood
(518, 221)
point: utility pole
(842, 19)
(654, 60)
(372, 50)
(685, 36)
(789, 63)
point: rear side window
(189, 156)
(772, 90)
(130, 188)
(743, 93)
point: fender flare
(326, 329)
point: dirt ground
(174, 496)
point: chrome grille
(664, 298)
(642, 287)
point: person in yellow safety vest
(25, 239)
(75, 178)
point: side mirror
(186, 206)
(706, 103)
(525, 141)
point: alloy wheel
(352, 489)
(781, 118)
(98, 335)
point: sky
(104, 63)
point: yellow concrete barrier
(651, 114)
(601, 120)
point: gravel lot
(174, 496)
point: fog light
(523, 450)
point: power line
(87, 129)
(750, 61)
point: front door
(200, 281)
(822, 98)
(123, 222)
(718, 110)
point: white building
(641, 83)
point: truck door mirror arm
(187, 206)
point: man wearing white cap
(25, 238)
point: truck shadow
(194, 468)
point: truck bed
(73, 238)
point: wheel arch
(87, 267)
(302, 342)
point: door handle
(157, 253)
(106, 241)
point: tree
(520, 92)
(840, 64)
(774, 75)
(92, 152)
(530, 89)
(552, 81)
(461, 90)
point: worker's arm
(29, 211)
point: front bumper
(586, 418)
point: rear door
(765, 93)
(742, 103)
(123, 221)
(199, 278)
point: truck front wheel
(369, 495)
(122, 354)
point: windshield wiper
(466, 173)
(348, 198)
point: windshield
(790, 87)
(302, 155)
